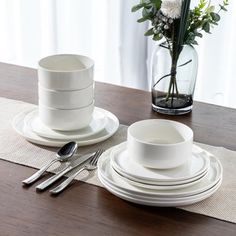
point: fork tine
(96, 156)
(92, 159)
(99, 154)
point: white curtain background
(107, 31)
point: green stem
(176, 87)
(173, 72)
(172, 94)
(174, 60)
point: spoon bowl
(67, 151)
(63, 155)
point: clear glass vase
(173, 81)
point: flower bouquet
(174, 67)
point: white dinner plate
(110, 128)
(157, 201)
(164, 187)
(107, 172)
(192, 170)
(33, 123)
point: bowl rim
(140, 141)
(40, 66)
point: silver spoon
(63, 154)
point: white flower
(171, 8)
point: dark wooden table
(89, 210)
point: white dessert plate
(110, 128)
(107, 172)
(192, 170)
(157, 201)
(33, 122)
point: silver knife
(67, 169)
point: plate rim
(163, 187)
(59, 143)
(151, 180)
(105, 156)
(164, 203)
(32, 113)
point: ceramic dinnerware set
(66, 108)
(160, 166)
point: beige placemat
(14, 148)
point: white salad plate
(108, 174)
(194, 169)
(111, 126)
(33, 122)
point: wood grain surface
(89, 210)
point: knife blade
(67, 169)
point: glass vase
(173, 81)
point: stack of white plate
(102, 126)
(192, 182)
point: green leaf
(226, 2)
(210, 9)
(157, 3)
(149, 32)
(223, 8)
(198, 34)
(157, 37)
(142, 19)
(147, 13)
(214, 23)
(215, 16)
(145, 1)
(137, 7)
(183, 24)
(206, 27)
(202, 4)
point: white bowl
(66, 99)
(65, 72)
(159, 144)
(66, 119)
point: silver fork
(91, 165)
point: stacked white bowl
(66, 91)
